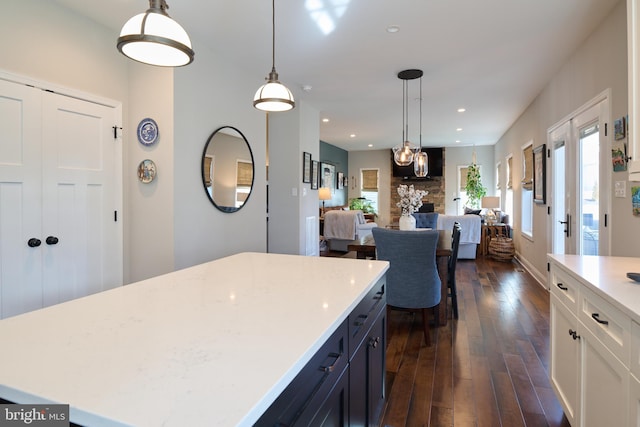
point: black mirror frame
(227, 209)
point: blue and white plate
(147, 132)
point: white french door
(580, 179)
(60, 189)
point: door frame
(605, 184)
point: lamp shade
(273, 96)
(154, 38)
(491, 202)
(324, 193)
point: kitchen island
(213, 344)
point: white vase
(407, 222)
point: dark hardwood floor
(488, 368)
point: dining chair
(451, 268)
(413, 282)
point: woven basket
(501, 248)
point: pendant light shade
(421, 159)
(154, 38)
(273, 95)
(403, 154)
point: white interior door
(20, 199)
(59, 185)
(79, 199)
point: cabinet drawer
(565, 288)
(607, 323)
(362, 317)
(322, 372)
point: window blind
(509, 173)
(498, 176)
(527, 176)
(245, 174)
(370, 179)
(207, 171)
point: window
(527, 190)
(369, 190)
(498, 176)
(244, 179)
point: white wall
(209, 93)
(290, 201)
(600, 63)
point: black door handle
(51, 240)
(33, 242)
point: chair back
(455, 244)
(426, 220)
(412, 278)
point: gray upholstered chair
(451, 268)
(412, 279)
(426, 220)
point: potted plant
(361, 204)
(474, 188)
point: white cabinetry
(633, 55)
(591, 361)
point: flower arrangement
(410, 199)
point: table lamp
(324, 193)
(490, 203)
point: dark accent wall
(340, 159)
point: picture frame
(306, 167)
(327, 175)
(314, 174)
(340, 180)
(540, 174)
(619, 128)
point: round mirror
(227, 169)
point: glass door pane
(589, 197)
(559, 195)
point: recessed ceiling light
(393, 29)
(325, 120)
(353, 135)
(458, 129)
(458, 141)
(461, 110)
(307, 88)
(370, 145)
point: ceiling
(491, 57)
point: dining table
(365, 248)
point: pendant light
(273, 95)
(154, 38)
(403, 154)
(421, 159)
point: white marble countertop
(607, 277)
(214, 344)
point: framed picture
(306, 167)
(540, 174)
(340, 180)
(619, 128)
(314, 175)
(327, 175)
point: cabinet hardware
(33, 242)
(51, 240)
(360, 320)
(596, 317)
(574, 334)
(563, 287)
(331, 367)
(373, 343)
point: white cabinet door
(59, 179)
(605, 383)
(634, 401)
(20, 199)
(564, 370)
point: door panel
(20, 202)
(79, 198)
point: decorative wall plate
(146, 171)
(147, 131)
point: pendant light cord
(273, 35)
(420, 113)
